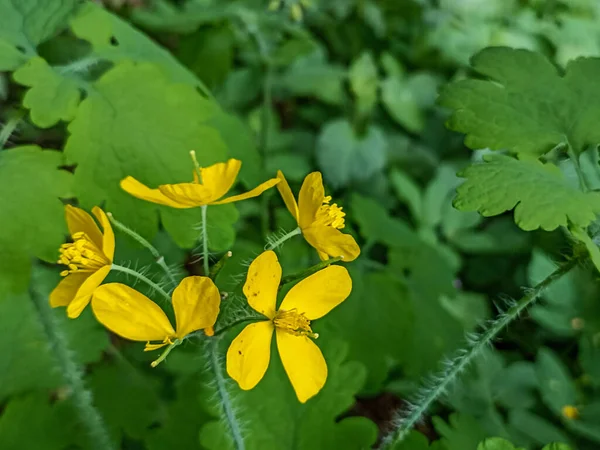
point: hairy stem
(143, 278)
(205, 260)
(404, 421)
(73, 376)
(309, 271)
(159, 259)
(282, 239)
(224, 398)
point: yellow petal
(319, 293)
(196, 303)
(310, 199)
(139, 190)
(188, 195)
(67, 289)
(250, 194)
(85, 291)
(151, 347)
(288, 197)
(79, 220)
(220, 177)
(249, 354)
(331, 241)
(108, 237)
(129, 314)
(262, 283)
(303, 362)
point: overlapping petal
(330, 241)
(79, 220)
(141, 191)
(219, 178)
(108, 236)
(130, 314)
(249, 354)
(196, 302)
(303, 362)
(66, 291)
(262, 283)
(310, 199)
(84, 293)
(188, 195)
(319, 293)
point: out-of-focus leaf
(539, 430)
(364, 82)
(556, 385)
(460, 433)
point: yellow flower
(134, 316)
(319, 221)
(312, 298)
(88, 259)
(570, 412)
(216, 181)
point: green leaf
(31, 185)
(345, 157)
(497, 444)
(364, 82)
(26, 23)
(52, 97)
(538, 192)
(417, 441)
(589, 244)
(280, 421)
(49, 426)
(398, 97)
(136, 123)
(220, 220)
(556, 385)
(536, 428)
(460, 433)
(525, 104)
(557, 447)
(408, 192)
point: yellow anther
(82, 255)
(331, 215)
(294, 323)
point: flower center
(82, 255)
(330, 215)
(294, 323)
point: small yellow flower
(570, 412)
(88, 259)
(319, 221)
(216, 181)
(249, 354)
(134, 316)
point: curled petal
(310, 199)
(303, 362)
(219, 178)
(262, 283)
(108, 237)
(250, 194)
(188, 195)
(332, 242)
(196, 303)
(319, 293)
(139, 190)
(249, 354)
(288, 197)
(78, 220)
(129, 314)
(85, 291)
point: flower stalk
(406, 420)
(272, 245)
(143, 278)
(305, 273)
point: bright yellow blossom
(88, 258)
(134, 316)
(215, 182)
(319, 221)
(249, 354)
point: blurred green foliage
(91, 94)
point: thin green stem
(205, 260)
(10, 127)
(282, 239)
(405, 421)
(224, 398)
(309, 271)
(159, 259)
(143, 278)
(73, 376)
(166, 352)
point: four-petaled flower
(312, 298)
(319, 221)
(88, 259)
(134, 316)
(215, 182)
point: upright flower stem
(282, 239)
(224, 399)
(159, 259)
(73, 376)
(205, 260)
(404, 421)
(144, 279)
